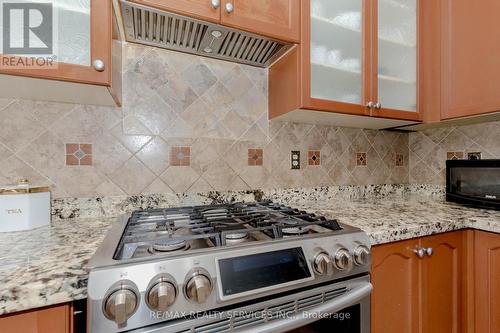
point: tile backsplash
(430, 149)
(190, 124)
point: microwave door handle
(352, 297)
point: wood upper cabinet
(83, 55)
(208, 10)
(357, 57)
(470, 75)
(396, 282)
(47, 320)
(487, 282)
(413, 294)
(275, 18)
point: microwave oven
(473, 182)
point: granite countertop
(46, 266)
(394, 219)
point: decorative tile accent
(180, 156)
(474, 156)
(360, 159)
(400, 160)
(455, 155)
(255, 157)
(217, 110)
(295, 160)
(428, 162)
(78, 154)
(314, 157)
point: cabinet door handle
(215, 4)
(420, 252)
(429, 251)
(99, 65)
(229, 8)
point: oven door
(339, 307)
(324, 319)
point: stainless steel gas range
(244, 267)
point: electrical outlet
(295, 160)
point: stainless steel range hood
(149, 26)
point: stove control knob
(361, 255)
(198, 286)
(161, 293)
(121, 302)
(323, 264)
(343, 259)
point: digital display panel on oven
(256, 271)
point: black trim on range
(261, 270)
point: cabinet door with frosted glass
(395, 48)
(81, 34)
(333, 55)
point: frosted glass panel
(73, 31)
(397, 54)
(336, 50)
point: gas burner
(177, 245)
(236, 237)
(296, 230)
(169, 230)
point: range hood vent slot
(153, 27)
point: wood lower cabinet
(55, 319)
(413, 294)
(442, 283)
(487, 282)
(395, 277)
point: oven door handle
(352, 297)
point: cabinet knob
(378, 106)
(99, 65)
(420, 252)
(429, 251)
(370, 105)
(229, 7)
(215, 4)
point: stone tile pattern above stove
(171, 99)
(180, 156)
(430, 149)
(78, 154)
(314, 157)
(255, 157)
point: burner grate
(213, 226)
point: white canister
(23, 207)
